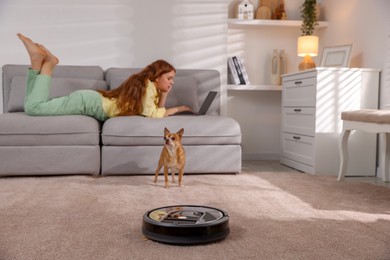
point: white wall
(361, 23)
(364, 23)
(190, 34)
(118, 33)
(259, 112)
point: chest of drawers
(312, 102)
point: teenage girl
(143, 93)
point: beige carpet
(272, 216)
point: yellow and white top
(149, 107)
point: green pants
(80, 102)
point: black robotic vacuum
(185, 224)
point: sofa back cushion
(66, 79)
(190, 88)
(59, 87)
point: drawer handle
(296, 137)
(297, 110)
(298, 82)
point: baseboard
(261, 156)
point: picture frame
(336, 56)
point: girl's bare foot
(49, 63)
(49, 57)
(37, 55)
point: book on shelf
(237, 72)
(243, 70)
(232, 73)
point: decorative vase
(263, 11)
(275, 68)
(283, 63)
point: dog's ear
(166, 131)
(180, 132)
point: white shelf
(255, 87)
(275, 23)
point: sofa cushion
(60, 87)
(184, 92)
(198, 130)
(19, 129)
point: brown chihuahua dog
(172, 157)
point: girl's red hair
(129, 94)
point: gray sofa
(53, 145)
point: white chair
(368, 120)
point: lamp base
(307, 63)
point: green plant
(309, 17)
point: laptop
(205, 106)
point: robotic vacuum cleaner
(185, 224)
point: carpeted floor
(272, 216)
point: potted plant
(308, 43)
(309, 17)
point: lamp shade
(308, 45)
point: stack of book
(236, 71)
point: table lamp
(307, 48)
